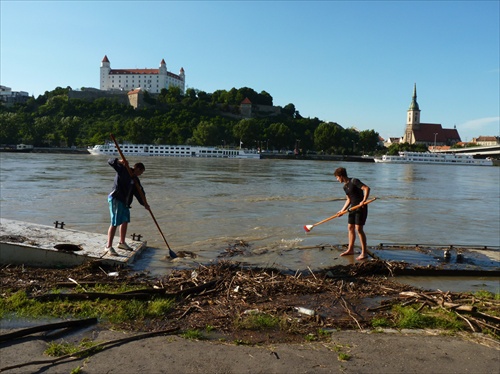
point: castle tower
(163, 74)
(105, 69)
(182, 76)
(163, 67)
(412, 119)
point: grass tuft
(193, 335)
(409, 318)
(257, 321)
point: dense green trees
(394, 149)
(196, 117)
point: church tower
(413, 118)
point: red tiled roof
(486, 139)
(133, 71)
(246, 101)
(105, 59)
(427, 131)
(141, 71)
(173, 75)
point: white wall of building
(151, 80)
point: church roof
(427, 131)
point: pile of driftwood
(217, 294)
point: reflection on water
(204, 205)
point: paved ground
(387, 352)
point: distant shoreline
(317, 157)
(262, 156)
(60, 150)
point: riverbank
(208, 330)
(69, 150)
(283, 156)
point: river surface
(205, 206)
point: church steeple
(413, 111)
(414, 104)
(413, 119)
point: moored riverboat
(20, 148)
(434, 158)
(173, 151)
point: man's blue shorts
(119, 212)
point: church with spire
(430, 134)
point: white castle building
(151, 80)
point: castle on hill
(151, 80)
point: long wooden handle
(327, 219)
(345, 212)
(143, 197)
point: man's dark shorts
(358, 216)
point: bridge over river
(483, 152)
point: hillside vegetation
(195, 118)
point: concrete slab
(46, 246)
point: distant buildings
(248, 109)
(430, 134)
(486, 140)
(12, 97)
(151, 80)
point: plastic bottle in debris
(305, 311)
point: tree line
(172, 117)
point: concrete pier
(47, 246)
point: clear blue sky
(353, 62)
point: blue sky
(350, 62)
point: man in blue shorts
(356, 193)
(120, 199)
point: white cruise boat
(172, 151)
(434, 158)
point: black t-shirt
(353, 191)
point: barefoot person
(357, 193)
(120, 199)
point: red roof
(141, 71)
(486, 139)
(427, 132)
(133, 71)
(246, 101)
(105, 59)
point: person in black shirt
(356, 193)
(120, 198)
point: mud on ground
(222, 295)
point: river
(205, 206)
